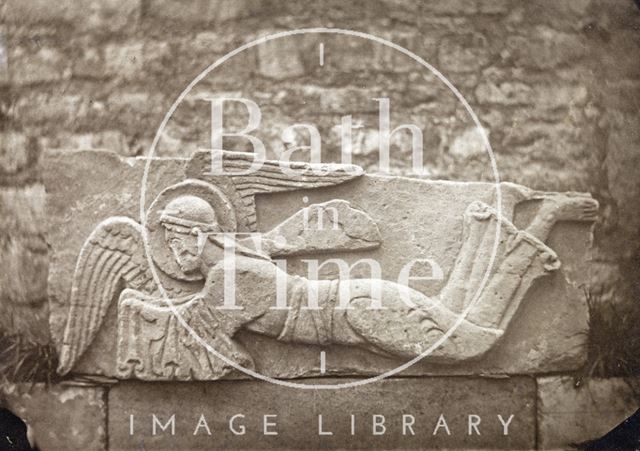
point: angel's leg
(401, 329)
(408, 324)
(526, 258)
(562, 207)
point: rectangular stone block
(4, 67)
(570, 414)
(84, 15)
(204, 11)
(62, 417)
(24, 263)
(28, 66)
(404, 413)
(415, 219)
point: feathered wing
(271, 176)
(114, 252)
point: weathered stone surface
(453, 8)
(14, 153)
(467, 53)
(505, 94)
(23, 253)
(125, 61)
(62, 416)
(494, 6)
(587, 41)
(37, 65)
(468, 144)
(296, 415)
(24, 263)
(547, 332)
(4, 67)
(570, 414)
(97, 16)
(204, 11)
(623, 186)
(279, 59)
(19, 156)
(56, 108)
(570, 15)
(334, 225)
(546, 48)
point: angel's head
(188, 220)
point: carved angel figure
(193, 230)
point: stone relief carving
(196, 226)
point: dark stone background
(556, 84)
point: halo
(160, 252)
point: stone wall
(556, 85)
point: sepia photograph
(305, 225)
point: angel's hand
(157, 300)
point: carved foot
(568, 207)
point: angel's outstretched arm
(157, 300)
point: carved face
(185, 250)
